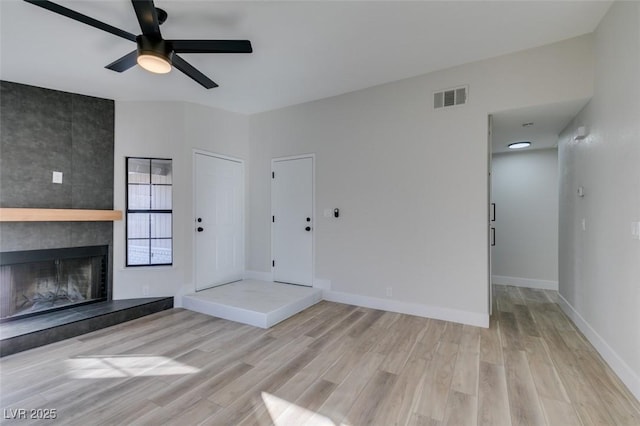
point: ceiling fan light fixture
(154, 64)
(154, 55)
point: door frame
(195, 152)
(490, 212)
(313, 209)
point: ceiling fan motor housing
(155, 47)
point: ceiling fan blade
(147, 17)
(196, 75)
(61, 10)
(124, 63)
(211, 46)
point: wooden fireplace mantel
(58, 215)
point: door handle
(200, 229)
(308, 228)
(493, 237)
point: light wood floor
(329, 365)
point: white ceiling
(548, 121)
(302, 50)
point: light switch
(57, 177)
(635, 230)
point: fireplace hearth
(37, 281)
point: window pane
(161, 225)
(139, 197)
(149, 234)
(161, 171)
(138, 225)
(139, 170)
(161, 197)
(137, 252)
(160, 251)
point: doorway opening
(524, 194)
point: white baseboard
(463, 317)
(629, 377)
(524, 282)
(258, 275)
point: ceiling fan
(154, 53)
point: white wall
(168, 130)
(525, 190)
(411, 182)
(600, 265)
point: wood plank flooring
(332, 364)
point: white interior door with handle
(292, 220)
(219, 221)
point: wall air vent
(450, 97)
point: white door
(292, 220)
(219, 220)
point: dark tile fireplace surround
(42, 131)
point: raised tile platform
(257, 303)
(27, 333)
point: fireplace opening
(37, 281)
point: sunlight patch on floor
(114, 366)
(283, 411)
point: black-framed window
(149, 211)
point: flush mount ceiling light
(154, 55)
(519, 145)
